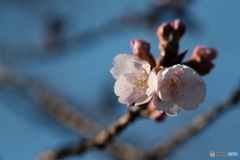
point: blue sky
(81, 75)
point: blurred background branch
(195, 126)
(102, 139)
(60, 110)
(56, 44)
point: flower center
(141, 83)
(173, 84)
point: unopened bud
(157, 115)
(179, 29)
(140, 48)
(164, 31)
(203, 53)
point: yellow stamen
(173, 85)
(140, 82)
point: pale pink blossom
(171, 89)
(179, 87)
(136, 83)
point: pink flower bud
(140, 48)
(201, 59)
(157, 115)
(130, 104)
(203, 53)
(179, 29)
(164, 31)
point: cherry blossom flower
(136, 83)
(179, 87)
(170, 89)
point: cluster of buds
(169, 35)
(166, 84)
(176, 28)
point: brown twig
(196, 125)
(102, 139)
(123, 151)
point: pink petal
(168, 107)
(142, 99)
(190, 94)
(135, 98)
(127, 63)
(171, 70)
(124, 88)
(186, 72)
(162, 85)
(152, 82)
(163, 78)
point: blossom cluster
(166, 82)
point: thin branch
(102, 139)
(196, 125)
(50, 102)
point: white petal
(142, 65)
(162, 85)
(135, 98)
(185, 72)
(170, 70)
(152, 82)
(143, 99)
(124, 88)
(190, 94)
(127, 63)
(168, 107)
